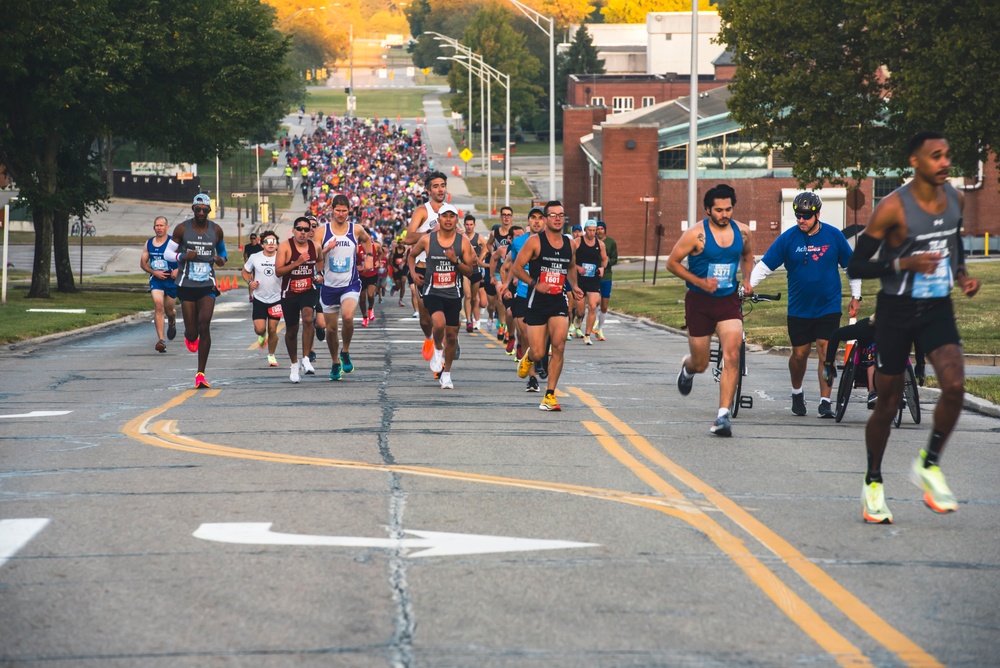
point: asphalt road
(685, 549)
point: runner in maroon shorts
(715, 248)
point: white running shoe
(446, 383)
(437, 360)
(294, 375)
(307, 367)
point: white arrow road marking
(15, 534)
(37, 414)
(430, 543)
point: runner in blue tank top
(916, 231)
(161, 282)
(714, 249)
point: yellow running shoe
(550, 403)
(873, 507)
(937, 495)
(524, 366)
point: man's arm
(529, 251)
(282, 263)
(746, 259)
(412, 236)
(604, 258)
(417, 276)
(886, 219)
(221, 255)
(690, 241)
(612, 250)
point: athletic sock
(798, 391)
(934, 448)
(600, 320)
(723, 412)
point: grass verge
(405, 102)
(17, 323)
(984, 387)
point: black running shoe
(799, 404)
(684, 382)
(825, 410)
(171, 329)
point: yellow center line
(880, 630)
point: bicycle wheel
(91, 231)
(845, 389)
(734, 408)
(912, 395)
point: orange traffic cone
(399, 117)
(449, 151)
(235, 284)
(449, 195)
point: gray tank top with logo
(442, 277)
(199, 272)
(925, 233)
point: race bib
(340, 265)
(722, 273)
(158, 264)
(275, 311)
(443, 279)
(937, 284)
(553, 281)
(588, 270)
(299, 285)
(199, 271)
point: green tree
(189, 78)
(581, 56)
(840, 86)
(492, 36)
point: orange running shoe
(191, 345)
(428, 350)
(200, 381)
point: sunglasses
(302, 229)
(201, 209)
(270, 242)
(315, 226)
(803, 216)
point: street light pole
(538, 19)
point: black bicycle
(850, 379)
(739, 399)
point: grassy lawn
(985, 387)
(405, 102)
(17, 324)
(518, 189)
(978, 317)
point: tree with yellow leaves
(634, 11)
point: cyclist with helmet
(811, 252)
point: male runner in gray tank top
(916, 230)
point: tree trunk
(40, 270)
(60, 244)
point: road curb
(29, 344)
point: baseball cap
(447, 208)
(601, 223)
(590, 223)
(577, 228)
(537, 209)
(201, 198)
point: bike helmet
(807, 203)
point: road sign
(647, 199)
(429, 543)
(237, 195)
(466, 155)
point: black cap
(536, 209)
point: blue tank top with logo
(717, 262)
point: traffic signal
(308, 75)
(347, 90)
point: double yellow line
(163, 433)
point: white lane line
(36, 414)
(15, 534)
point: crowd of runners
(537, 286)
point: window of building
(648, 100)
(597, 101)
(620, 104)
(730, 151)
(883, 186)
(673, 158)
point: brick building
(612, 161)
